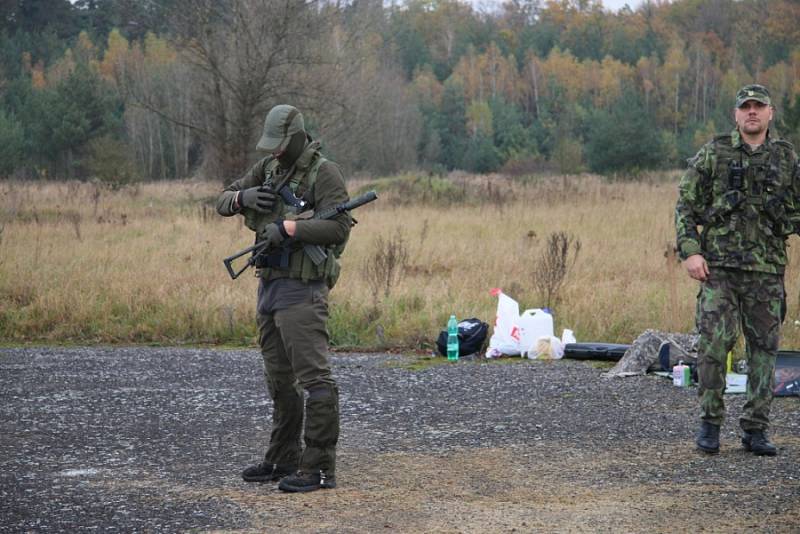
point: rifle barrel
(347, 206)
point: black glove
(274, 234)
(257, 198)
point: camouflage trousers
(294, 345)
(730, 299)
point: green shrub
(109, 161)
(416, 189)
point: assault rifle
(316, 253)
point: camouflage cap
(755, 92)
(281, 124)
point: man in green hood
(738, 202)
(275, 197)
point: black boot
(307, 481)
(757, 442)
(708, 438)
(266, 472)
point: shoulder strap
(314, 170)
(310, 175)
(267, 167)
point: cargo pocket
(332, 270)
(716, 241)
(765, 321)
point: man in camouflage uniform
(742, 189)
(292, 303)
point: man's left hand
(274, 234)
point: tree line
(122, 90)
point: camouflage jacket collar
(305, 159)
(737, 142)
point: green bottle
(452, 339)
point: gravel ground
(153, 439)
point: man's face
(753, 117)
(292, 150)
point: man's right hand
(259, 198)
(697, 267)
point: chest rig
(295, 189)
(746, 189)
(745, 220)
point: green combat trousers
(294, 344)
(728, 299)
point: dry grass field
(86, 264)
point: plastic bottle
(679, 375)
(452, 339)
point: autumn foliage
(530, 85)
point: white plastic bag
(516, 334)
(506, 336)
(547, 348)
(568, 336)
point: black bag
(471, 335)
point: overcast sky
(616, 4)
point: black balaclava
(293, 150)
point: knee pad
(320, 392)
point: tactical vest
(302, 186)
(744, 223)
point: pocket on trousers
(707, 298)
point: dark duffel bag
(471, 336)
